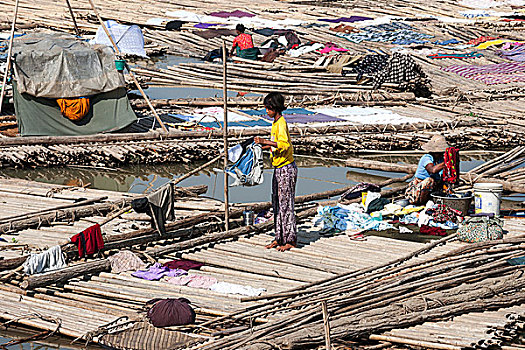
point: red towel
(432, 231)
(89, 241)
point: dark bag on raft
(170, 312)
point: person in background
(428, 174)
(284, 175)
(242, 41)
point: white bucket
(487, 197)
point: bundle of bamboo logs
(399, 294)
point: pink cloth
(331, 47)
(195, 281)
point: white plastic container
(487, 197)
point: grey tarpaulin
(37, 116)
(61, 66)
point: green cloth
(249, 54)
(37, 116)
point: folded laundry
(194, 281)
(183, 264)
(350, 19)
(88, 241)
(125, 261)
(51, 259)
(230, 288)
(157, 271)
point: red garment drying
(451, 170)
(89, 241)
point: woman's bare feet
(285, 247)
(272, 245)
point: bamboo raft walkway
(85, 303)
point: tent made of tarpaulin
(39, 116)
(61, 66)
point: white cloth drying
(230, 288)
(129, 39)
(49, 260)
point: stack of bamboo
(474, 277)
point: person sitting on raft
(284, 174)
(243, 44)
(428, 174)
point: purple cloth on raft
(157, 271)
(183, 264)
(346, 19)
(236, 13)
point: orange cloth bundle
(74, 108)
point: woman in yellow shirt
(284, 175)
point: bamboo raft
(103, 297)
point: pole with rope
(117, 51)
(225, 135)
(9, 52)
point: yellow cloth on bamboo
(74, 108)
(490, 43)
(283, 154)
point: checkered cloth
(401, 69)
(370, 65)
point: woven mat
(144, 336)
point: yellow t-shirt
(283, 154)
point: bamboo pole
(73, 17)
(326, 324)
(9, 52)
(117, 51)
(225, 135)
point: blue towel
(447, 42)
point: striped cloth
(490, 74)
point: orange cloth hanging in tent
(74, 108)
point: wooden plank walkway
(84, 304)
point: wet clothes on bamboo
(248, 169)
(157, 271)
(125, 261)
(370, 65)
(183, 264)
(170, 312)
(194, 281)
(51, 259)
(89, 241)
(159, 205)
(230, 288)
